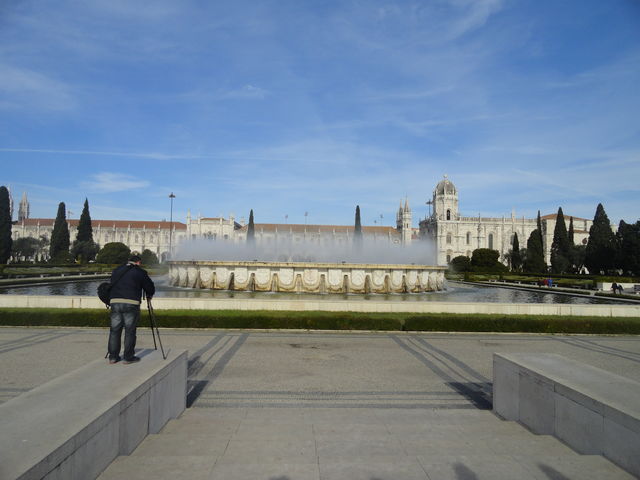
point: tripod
(154, 329)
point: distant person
(127, 282)
(614, 287)
(620, 288)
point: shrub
(113, 253)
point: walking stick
(152, 321)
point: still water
(455, 293)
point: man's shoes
(113, 360)
(131, 360)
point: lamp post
(171, 196)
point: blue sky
(292, 106)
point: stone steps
(353, 443)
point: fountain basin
(306, 277)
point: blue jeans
(127, 316)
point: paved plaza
(324, 405)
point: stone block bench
(593, 411)
(74, 426)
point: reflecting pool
(455, 292)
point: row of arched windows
(468, 238)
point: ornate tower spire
(23, 208)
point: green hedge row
(330, 321)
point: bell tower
(445, 201)
(403, 222)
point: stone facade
(137, 235)
(452, 233)
(455, 234)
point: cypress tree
(571, 233)
(59, 246)
(84, 248)
(516, 258)
(6, 241)
(600, 252)
(251, 234)
(85, 230)
(560, 248)
(628, 237)
(357, 234)
(539, 222)
(535, 254)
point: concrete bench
(593, 411)
(74, 426)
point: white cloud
(148, 155)
(24, 88)
(106, 182)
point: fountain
(306, 267)
(306, 277)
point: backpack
(104, 289)
(104, 293)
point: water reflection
(454, 293)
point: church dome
(445, 187)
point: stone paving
(300, 405)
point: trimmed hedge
(522, 324)
(263, 319)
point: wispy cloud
(149, 155)
(28, 89)
(106, 182)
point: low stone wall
(594, 411)
(74, 426)
(329, 303)
(307, 277)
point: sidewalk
(301, 405)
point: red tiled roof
(149, 225)
(300, 228)
(553, 216)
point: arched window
(448, 214)
(448, 258)
(448, 239)
(468, 238)
(491, 241)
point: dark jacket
(132, 280)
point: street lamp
(171, 196)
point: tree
(571, 233)
(84, 252)
(85, 230)
(357, 234)
(251, 229)
(148, 257)
(5, 226)
(59, 246)
(25, 248)
(628, 239)
(516, 256)
(534, 261)
(486, 260)
(600, 252)
(113, 253)
(460, 264)
(560, 248)
(84, 248)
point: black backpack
(104, 289)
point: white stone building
(452, 233)
(455, 234)
(137, 235)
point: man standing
(127, 282)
